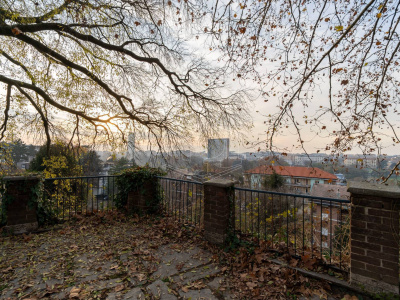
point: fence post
(374, 237)
(20, 203)
(219, 210)
(141, 200)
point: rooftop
(306, 172)
(330, 191)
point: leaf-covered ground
(109, 256)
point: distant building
(365, 161)
(303, 159)
(235, 156)
(328, 216)
(341, 179)
(218, 149)
(131, 146)
(104, 155)
(23, 165)
(256, 155)
(299, 179)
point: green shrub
(134, 179)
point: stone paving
(173, 269)
(49, 266)
(154, 259)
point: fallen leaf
(293, 262)
(348, 297)
(141, 277)
(27, 238)
(119, 288)
(180, 266)
(74, 293)
(7, 270)
(251, 285)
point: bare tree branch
(42, 116)
(3, 127)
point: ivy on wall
(5, 200)
(44, 210)
(135, 179)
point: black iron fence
(68, 196)
(300, 224)
(303, 225)
(183, 199)
(3, 217)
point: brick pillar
(21, 211)
(141, 200)
(374, 236)
(219, 211)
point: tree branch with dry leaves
(329, 67)
(117, 67)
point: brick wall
(21, 217)
(375, 237)
(218, 209)
(138, 199)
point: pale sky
(259, 109)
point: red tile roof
(307, 172)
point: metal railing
(68, 196)
(183, 199)
(3, 217)
(303, 225)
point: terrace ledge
(18, 178)
(224, 183)
(373, 189)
